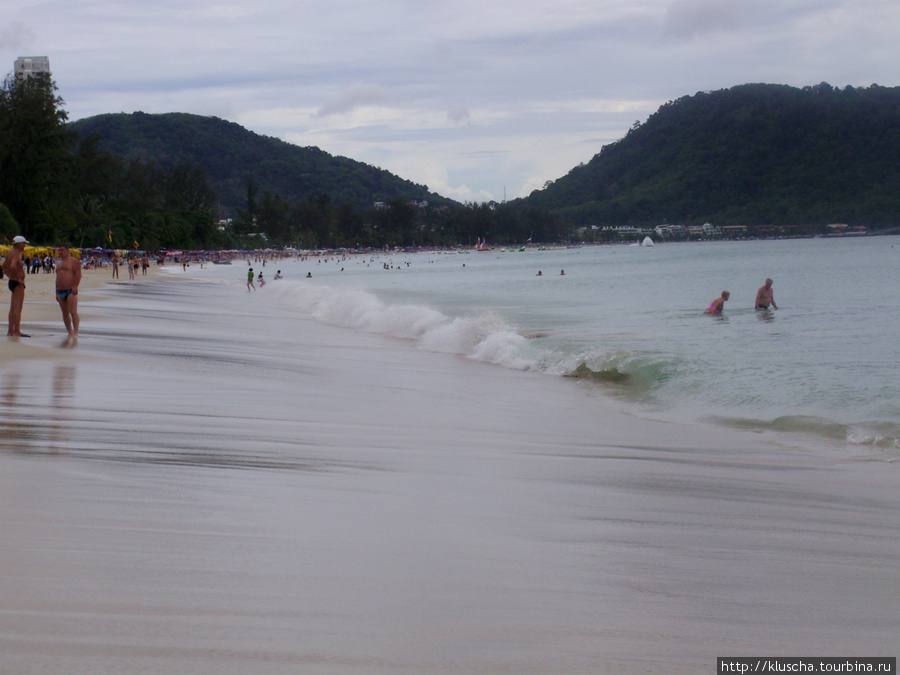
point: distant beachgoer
(115, 267)
(259, 278)
(250, 280)
(765, 296)
(278, 275)
(14, 269)
(717, 305)
(309, 275)
(562, 273)
(68, 276)
(539, 274)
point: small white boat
(647, 242)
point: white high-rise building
(26, 66)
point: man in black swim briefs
(765, 296)
(68, 276)
(14, 268)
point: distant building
(670, 231)
(26, 66)
(734, 230)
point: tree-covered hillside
(148, 188)
(753, 154)
(234, 158)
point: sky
(479, 100)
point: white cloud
(353, 97)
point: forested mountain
(151, 182)
(234, 159)
(753, 154)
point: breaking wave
(486, 337)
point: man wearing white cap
(14, 269)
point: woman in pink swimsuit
(716, 306)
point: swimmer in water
(717, 305)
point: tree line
(57, 185)
(753, 155)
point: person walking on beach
(765, 296)
(14, 269)
(717, 305)
(68, 277)
(250, 280)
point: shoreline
(41, 316)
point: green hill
(753, 154)
(231, 156)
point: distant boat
(647, 242)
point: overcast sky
(475, 99)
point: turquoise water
(629, 320)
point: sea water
(629, 321)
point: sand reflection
(60, 409)
(30, 428)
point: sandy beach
(41, 310)
(211, 484)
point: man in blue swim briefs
(68, 276)
(14, 269)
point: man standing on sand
(765, 296)
(68, 276)
(14, 269)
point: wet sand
(207, 485)
(41, 316)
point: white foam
(487, 337)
